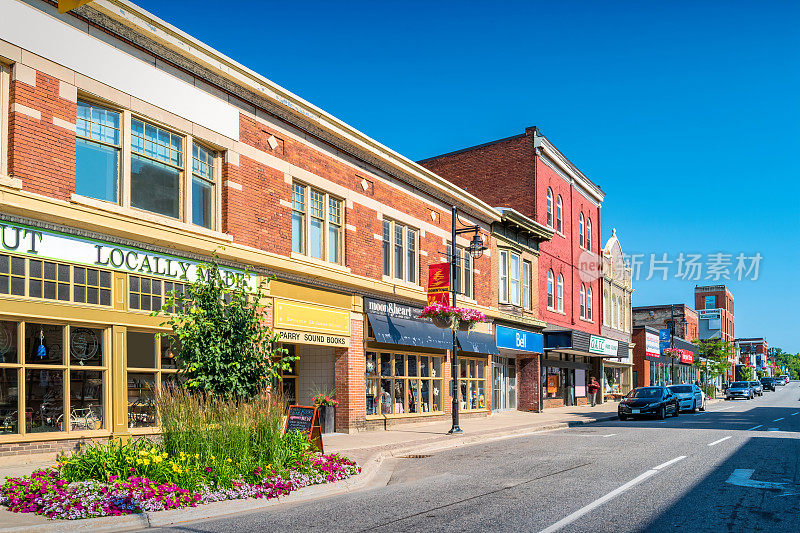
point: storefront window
(151, 364)
(553, 382)
(472, 382)
(403, 384)
(54, 281)
(63, 392)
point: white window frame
(506, 294)
(527, 281)
(583, 301)
(186, 171)
(551, 284)
(393, 224)
(549, 207)
(559, 214)
(589, 313)
(325, 244)
(581, 231)
(560, 292)
(589, 233)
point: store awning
(409, 332)
(473, 341)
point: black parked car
(649, 401)
(768, 384)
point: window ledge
(318, 262)
(589, 320)
(150, 217)
(8, 181)
(402, 283)
(556, 311)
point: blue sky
(685, 113)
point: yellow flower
(212, 457)
(138, 461)
(230, 460)
(129, 459)
(153, 450)
(165, 455)
(175, 467)
(197, 456)
(142, 452)
(146, 462)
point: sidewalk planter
(454, 318)
(328, 418)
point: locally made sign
(305, 419)
(296, 316)
(319, 339)
(517, 339)
(651, 346)
(439, 283)
(57, 246)
(603, 346)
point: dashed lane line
(778, 419)
(723, 439)
(756, 427)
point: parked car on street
(739, 389)
(768, 384)
(649, 401)
(690, 397)
(785, 379)
(758, 390)
(779, 380)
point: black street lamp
(475, 249)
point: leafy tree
(225, 347)
(788, 360)
(712, 357)
(746, 373)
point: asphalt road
(734, 468)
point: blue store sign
(517, 339)
(664, 339)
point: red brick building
(753, 352)
(529, 174)
(680, 316)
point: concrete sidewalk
(368, 448)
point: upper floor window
(550, 207)
(202, 186)
(589, 234)
(560, 292)
(463, 271)
(5, 82)
(583, 300)
(97, 156)
(550, 294)
(158, 166)
(316, 224)
(400, 251)
(512, 278)
(589, 303)
(526, 284)
(581, 231)
(559, 213)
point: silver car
(690, 397)
(758, 389)
(739, 389)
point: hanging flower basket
(454, 318)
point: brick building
(754, 353)
(131, 152)
(681, 317)
(714, 304)
(617, 316)
(528, 174)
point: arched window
(589, 303)
(589, 234)
(560, 292)
(559, 212)
(550, 207)
(583, 301)
(550, 299)
(581, 229)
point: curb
(105, 523)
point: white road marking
(797, 413)
(756, 427)
(609, 435)
(718, 441)
(603, 499)
(741, 477)
(777, 419)
(671, 461)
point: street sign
(439, 283)
(664, 336)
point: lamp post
(475, 249)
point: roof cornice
(513, 216)
(284, 104)
(565, 165)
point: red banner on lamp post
(439, 283)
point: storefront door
(504, 383)
(569, 386)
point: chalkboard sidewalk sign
(305, 419)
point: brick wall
(528, 383)
(41, 147)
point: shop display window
(92, 286)
(288, 378)
(44, 344)
(86, 346)
(44, 391)
(141, 400)
(8, 342)
(472, 383)
(9, 401)
(151, 364)
(141, 349)
(403, 384)
(553, 382)
(12, 275)
(86, 400)
(49, 280)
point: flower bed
(452, 317)
(51, 493)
